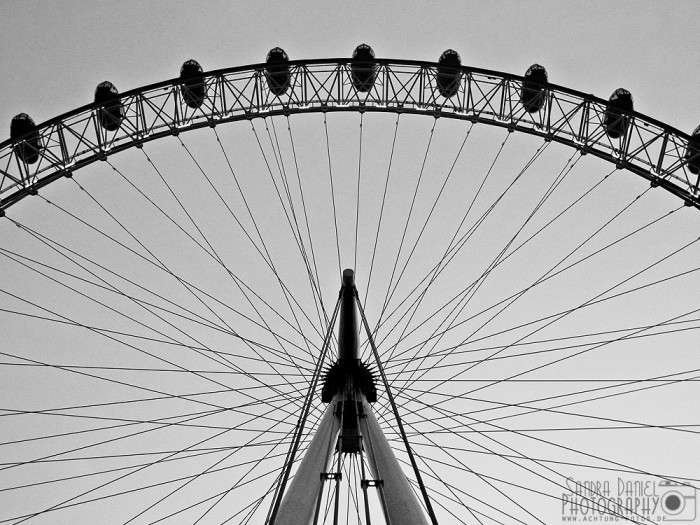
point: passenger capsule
(532, 95)
(194, 90)
(692, 153)
(364, 72)
(111, 112)
(22, 126)
(277, 71)
(449, 78)
(615, 121)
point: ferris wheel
(351, 290)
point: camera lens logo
(678, 502)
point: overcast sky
(53, 54)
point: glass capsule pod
(111, 112)
(22, 126)
(277, 71)
(364, 71)
(533, 94)
(692, 152)
(449, 78)
(194, 91)
(615, 120)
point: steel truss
(649, 148)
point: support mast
(349, 426)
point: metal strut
(279, 492)
(387, 388)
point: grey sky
(55, 53)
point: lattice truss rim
(656, 151)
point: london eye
(263, 294)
